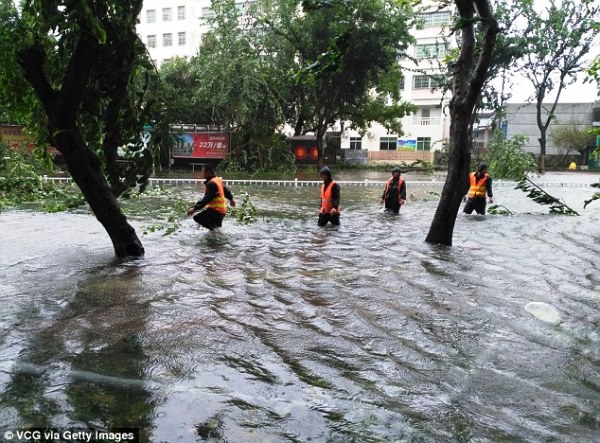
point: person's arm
(488, 187)
(403, 191)
(211, 192)
(335, 196)
(229, 196)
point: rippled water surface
(282, 331)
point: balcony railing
(424, 121)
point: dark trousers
(209, 218)
(392, 205)
(475, 203)
(333, 219)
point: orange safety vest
(389, 183)
(217, 203)
(478, 188)
(327, 198)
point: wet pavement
(282, 331)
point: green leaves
(246, 211)
(507, 159)
(595, 197)
(540, 196)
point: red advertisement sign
(201, 145)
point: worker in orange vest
(480, 184)
(330, 200)
(394, 194)
(213, 201)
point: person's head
(396, 171)
(209, 171)
(325, 173)
(482, 168)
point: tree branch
(490, 32)
(32, 59)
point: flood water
(279, 331)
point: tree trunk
(468, 77)
(456, 184)
(542, 160)
(62, 106)
(85, 169)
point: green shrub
(507, 159)
(21, 181)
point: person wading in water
(330, 200)
(480, 185)
(394, 194)
(213, 202)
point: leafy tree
(84, 61)
(469, 73)
(180, 84)
(556, 41)
(346, 54)
(593, 70)
(508, 159)
(571, 137)
(509, 48)
(241, 74)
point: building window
(355, 143)
(423, 143)
(434, 19)
(426, 82)
(181, 38)
(166, 14)
(151, 41)
(168, 39)
(180, 12)
(388, 143)
(207, 13)
(401, 85)
(151, 16)
(430, 50)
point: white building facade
(172, 29)
(175, 29)
(428, 129)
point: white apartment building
(175, 29)
(427, 129)
(170, 29)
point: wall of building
(522, 119)
(178, 21)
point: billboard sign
(407, 144)
(204, 145)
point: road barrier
(302, 183)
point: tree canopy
(87, 72)
(556, 43)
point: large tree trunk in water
(468, 77)
(85, 169)
(62, 107)
(456, 185)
